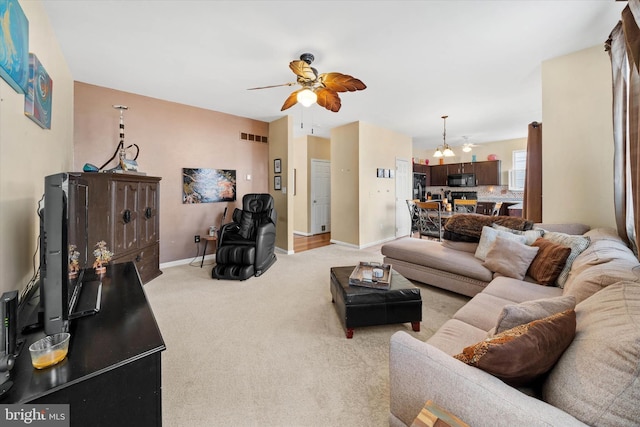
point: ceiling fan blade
(328, 99)
(268, 87)
(291, 100)
(303, 70)
(339, 82)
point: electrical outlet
(196, 238)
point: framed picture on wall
(277, 166)
(277, 182)
(201, 185)
(380, 173)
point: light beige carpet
(270, 351)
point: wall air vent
(251, 137)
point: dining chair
(430, 219)
(413, 214)
(496, 209)
(465, 205)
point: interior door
(404, 178)
(320, 196)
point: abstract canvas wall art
(208, 185)
(37, 99)
(14, 45)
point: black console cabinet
(112, 373)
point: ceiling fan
(321, 88)
(466, 147)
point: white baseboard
(193, 261)
(351, 245)
(282, 251)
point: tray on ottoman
(361, 306)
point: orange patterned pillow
(549, 262)
(521, 354)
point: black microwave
(461, 180)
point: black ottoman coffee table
(360, 306)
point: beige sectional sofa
(596, 380)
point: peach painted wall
(172, 136)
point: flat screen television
(64, 248)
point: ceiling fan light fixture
(307, 97)
(466, 148)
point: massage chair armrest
(419, 372)
(228, 228)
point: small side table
(207, 239)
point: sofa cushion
(489, 236)
(482, 311)
(513, 315)
(577, 245)
(470, 247)
(518, 291)
(568, 228)
(434, 255)
(454, 335)
(549, 261)
(597, 380)
(603, 248)
(510, 258)
(587, 281)
(521, 354)
(530, 235)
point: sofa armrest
(419, 371)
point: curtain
(624, 50)
(532, 202)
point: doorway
(403, 193)
(320, 196)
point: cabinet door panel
(439, 175)
(125, 215)
(148, 214)
(488, 173)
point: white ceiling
(477, 61)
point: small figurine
(103, 256)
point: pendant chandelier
(444, 150)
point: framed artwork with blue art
(37, 99)
(14, 45)
(208, 185)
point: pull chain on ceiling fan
(317, 88)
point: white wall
(577, 139)
(28, 153)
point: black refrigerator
(419, 186)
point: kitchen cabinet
(460, 168)
(420, 168)
(487, 173)
(439, 175)
(124, 212)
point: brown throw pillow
(519, 355)
(509, 258)
(549, 262)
